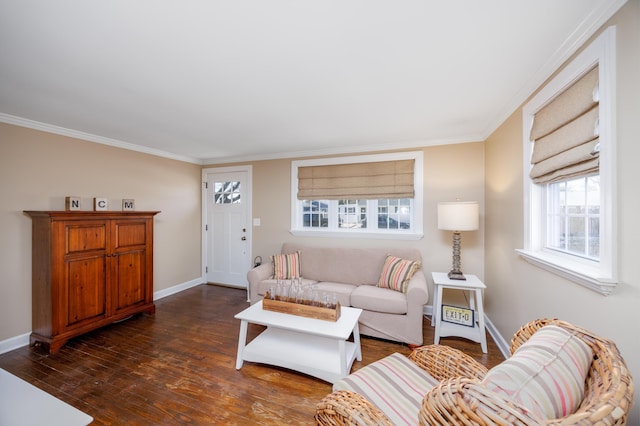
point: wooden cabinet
(89, 269)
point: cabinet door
(82, 278)
(130, 275)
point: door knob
(244, 238)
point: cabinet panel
(85, 290)
(131, 277)
(86, 237)
(128, 233)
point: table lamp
(458, 216)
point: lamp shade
(458, 216)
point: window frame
(600, 276)
(416, 233)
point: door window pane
(226, 192)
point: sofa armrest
(444, 362)
(417, 290)
(344, 407)
(256, 275)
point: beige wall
(449, 171)
(38, 169)
(519, 292)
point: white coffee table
(315, 347)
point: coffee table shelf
(315, 347)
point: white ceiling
(209, 81)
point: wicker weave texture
(444, 362)
(463, 401)
(344, 407)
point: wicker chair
(460, 399)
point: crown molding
(347, 149)
(63, 131)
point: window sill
(577, 272)
(407, 236)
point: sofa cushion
(376, 299)
(546, 374)
(393, 384)
(342, 291)
(397, 272)
(286, 266)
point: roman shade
(565, 133)
(362, 181)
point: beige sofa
(352, 273)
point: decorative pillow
(393, 384)
(397, 272)
(286, 266)
(546, 374)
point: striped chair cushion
(286, 266)
(546, 374)
(397, 272)
(393, 384)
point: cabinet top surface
(74, 213)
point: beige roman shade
(565, 133)
(362, 181)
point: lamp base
(456, 275)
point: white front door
(227, 229)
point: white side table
(474, 286)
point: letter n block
(72, 203)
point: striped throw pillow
(397, 272)
(394, 384)
(286, 266)
(546, 374)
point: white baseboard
(501, 342)
(178, 288)
(16, 342)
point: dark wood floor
(178, 367)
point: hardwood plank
(178, 366)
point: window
(573, 217)
(569, 213)
(384, 203)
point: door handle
(244, 238)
